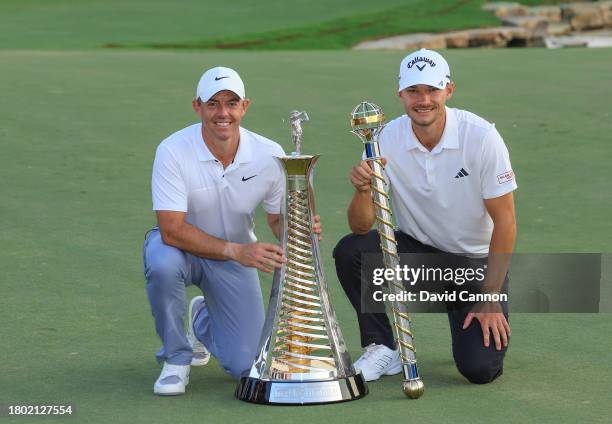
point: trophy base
(275, 392)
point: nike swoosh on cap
(220, 78)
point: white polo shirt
(437, 196)
(221, 202)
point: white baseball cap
(424, 67)
(219, 79)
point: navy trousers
(477, 363)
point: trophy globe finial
(367, 120)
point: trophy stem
(367, 121)
(413, 385)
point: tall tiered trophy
(367, 121)
(303, 358)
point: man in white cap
(207, 181)
(452, 194)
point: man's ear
(245, 104)
(195, 104)
(450, 89)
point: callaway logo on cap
(424, 67)
(219, 79)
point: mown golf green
(67, 24)
(78, 133)
(313, 24)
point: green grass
(84, 24)
(198, 24)
(78, 137)
(413, 16)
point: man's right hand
(361, 175)
(263, 256)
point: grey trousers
(230, 323)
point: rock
(533, 23)
(520, 37)
(583, 16)
(458, 39)
(606, 11)
(405, 42)
(558, 28)
(502, 9)
(553, 26)
(487, 37)
(552, 13)
(605, 5)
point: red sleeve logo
(505, 177)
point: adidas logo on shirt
(462, 173)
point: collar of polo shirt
(243, 155)
(449, 140)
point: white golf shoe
(378, 360)
(172, 380)
(201, 355)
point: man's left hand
(492, 320)
(316, 226)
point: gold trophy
(303, 359)
(367, 121)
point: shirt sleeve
(497, 177)
(167, 184)
(272, 201)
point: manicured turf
(411, 16)
(78, 134)
(314, 24)
(68, 24)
